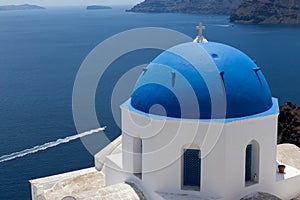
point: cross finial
(200, 29)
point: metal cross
(200, 29)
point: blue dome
(169, 79)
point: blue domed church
(201, 123)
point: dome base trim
(274, 110)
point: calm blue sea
(41, 51)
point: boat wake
(47, 145)
(224, 25)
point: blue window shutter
(192, 167)
(248, 162)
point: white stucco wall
(223, 149)
(238, 135)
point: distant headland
(97, 7)
(267, 12)
(20, 7)
(240, 11)
(226, 7)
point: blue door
(191, 167)
(248, 162)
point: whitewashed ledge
(67, 183)
(289, 154)
(85, 184)
(90, 183)
(113, 148)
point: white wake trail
(48, 145)
(224, 25)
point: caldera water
(42, 50)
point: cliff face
(188, 6)
(289, 124)
(241, 11)
(267, 12)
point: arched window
(138, 156)
(191, 168)
(252, 163)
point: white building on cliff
(201, 124)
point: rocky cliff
(289, 124)
(267, 12)
(188, 6)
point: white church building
(201, 124)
